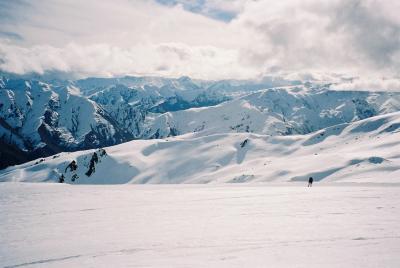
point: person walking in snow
(310, 181)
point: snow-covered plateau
(228, 225)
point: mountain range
(365, 151)
(40, 117)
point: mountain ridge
(357, 152)
(42, 118)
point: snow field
(60, 225)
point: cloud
(121, 23)
(369, 85)
(180, 37)
(167, 59)
(339, 35)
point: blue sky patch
(200, 7)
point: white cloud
(369, 85)
(121, 23)
(338, 35)
(167, 59)
(103, 38)
(233, 6)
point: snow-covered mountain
(38, 119)
(130, 105)
(184, 83)
(362, 151)
(42, 116)
(276, 111)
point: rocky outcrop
(73, 170)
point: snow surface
(363, 151)
(60, 225)
(276, 111)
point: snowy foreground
(60, 225)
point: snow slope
(41, 118)
(276, 111)
(362, 151)
(129, 106)
(53, 225)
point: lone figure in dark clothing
(310, 181)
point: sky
(206, 39)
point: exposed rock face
(243, 143)
(93, 161)
(70, 172)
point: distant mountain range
(40, 116)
